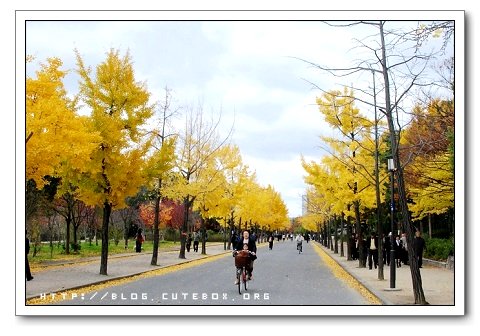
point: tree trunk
(68, 220)
(125, 232)
(410, 233)
(362, 258)
(335, 234)
(75, 239)
(231, 227)
(107, 209)
(350, 241)
(186, 207)
(415, 271)
(156, 233)
(330, 241)
(325, 235)
(377, 191)
(342, 237)
(204, 233)
(429, 226)
(51, 243)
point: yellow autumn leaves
(101, 144)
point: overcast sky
(248, 70)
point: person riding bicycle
(299, 240)
(251, 247)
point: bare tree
(198, 143)
(166, 113)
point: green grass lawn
(46, 253)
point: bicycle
(242, 261)
(299, 247)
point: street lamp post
(225, 235)
(391, 169)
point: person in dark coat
(398, 247)
(28, 274)
(139, 239)
(189, 242)
(387, 246)
(372, 245)
(418, 247)
(196, 241)
(353, 247)
(252, 247)
(270, 241)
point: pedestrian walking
(299, 240)
(418, 247)
(398, 247)
(189, 242)
(270, 242)
(372, 243)
(353, 247)
(404, 249)
(139, 239)
(196, 240)
(28, 274)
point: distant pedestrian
(28, 274)
(270, 242)
(404, 249)
(196, 240)
(398, 247)
(353, 247)
(372, 244)
(139, 240)
(299, 241)
(189, 242)
(418, 247)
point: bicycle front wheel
(244, 278)
(239, 280)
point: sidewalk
(59, 277)
(438, 283)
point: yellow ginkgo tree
(198, 144)
(434, 190)
(347, 175)
(119, 109)
(427, 144)
(160, 163)
(59, 143)
(56, 135)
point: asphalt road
(281, 277)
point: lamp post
(391, 169)
(225, 235)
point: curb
(372, 291)
(186, 261)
